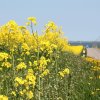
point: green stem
(31, 27)
(38, 71)
(56, 74)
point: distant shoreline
(87, 44)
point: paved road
(93, 52)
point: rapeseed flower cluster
(66, 71)
(6, 64)
(31, 78)
(43, 63)
(31, 19)
(29, 61)
(20, 66)
(3, 97)
(46, 72)
(95, 68)
(3, 56)
(19, 81)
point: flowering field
(44, 67)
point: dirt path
(93, 52)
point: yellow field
(40, 67)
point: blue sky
(80, 19)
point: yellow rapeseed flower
(3, 56)
(30, 71)
(6, 64)
(43, 63)
(20, 66)
(66, 71)
(21, 93)
(51, 26)
(61, 74)
(19, 80)
(13, 93)
(29, 94)
(30, 63)
(31, 78)
(25, 47)
(32, 19)
(3, 97)
(35, 63)
(95, 68)
(46, 72)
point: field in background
(88, 44)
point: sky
(80, 19)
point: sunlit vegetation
(44, 67)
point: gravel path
(93, 52)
